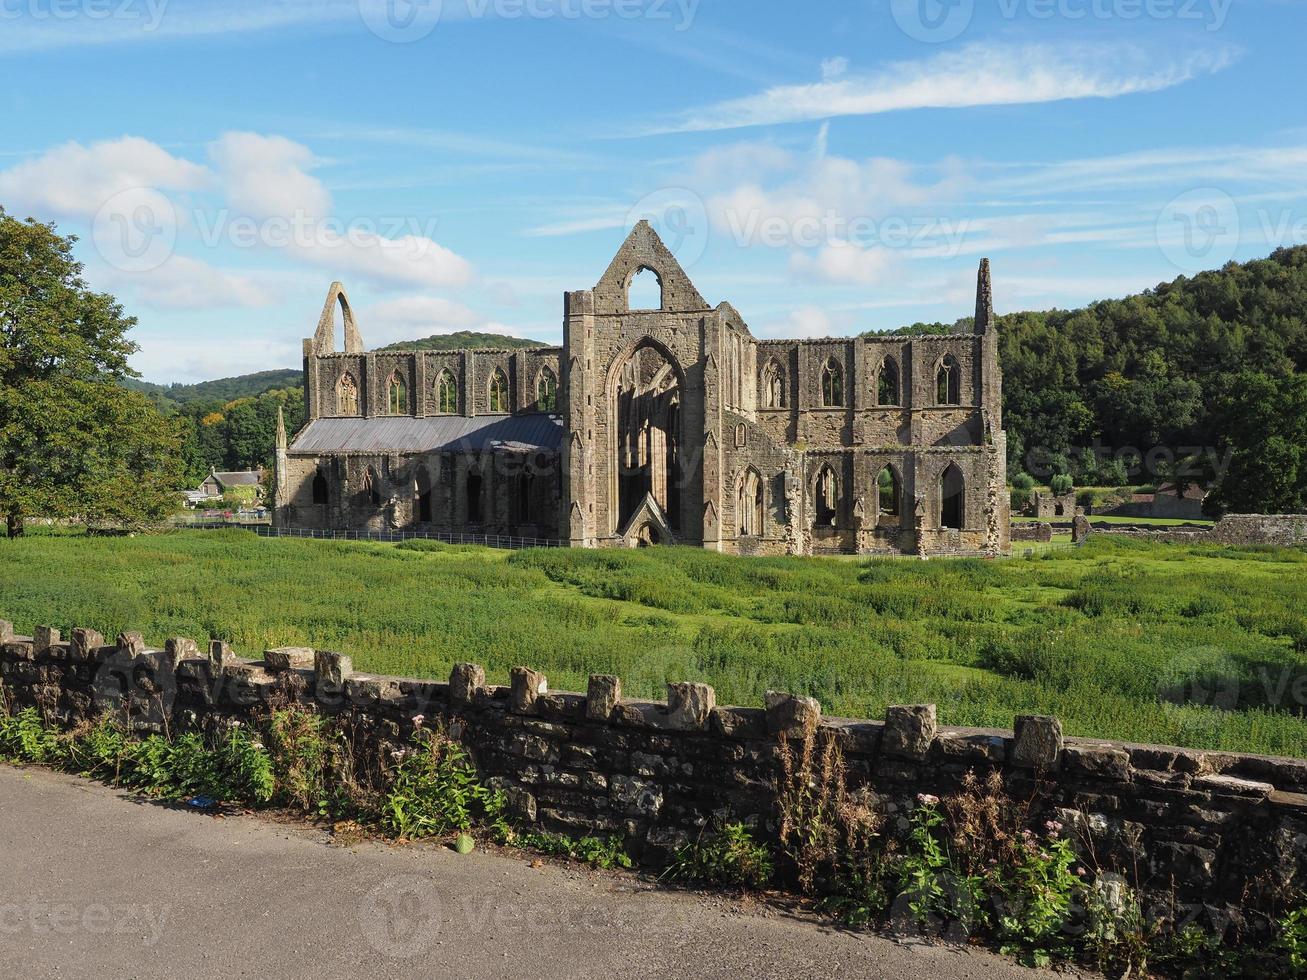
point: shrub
(24, 737)
(602, 852)
(729, 857)
(435, 790)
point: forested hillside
(465, 340)
(222, 390)
(1202, 375)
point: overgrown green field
(1203, 646)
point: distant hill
(465, 340)
(223, 389)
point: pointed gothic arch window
(887, 383)
(644, 291)
(446, 393)
(832, 384)
(369, 494)
(321, 490)
(773, 385)
(952, 496)
(948, 381)
(396, 394)
(749, 504)
(547, 390)
(498, 391)
(347, 395)
(828, 497)
(889, 493)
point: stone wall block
(909, 730)
(791, 715)
(1037, 743)
(527, 686)
(280, 659)
(131, 643)
(465, 682)
(220, 654)
(179, 648)
(1101, 761)
(689, 705)
(43, 638)
(6, 631)
(84, 643)
(332, 669)
(603, 695)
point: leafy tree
(73, 441)
(1264, 425)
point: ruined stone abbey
(665, 425)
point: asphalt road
(96, 884)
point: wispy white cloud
(74, 180)
(976, 75)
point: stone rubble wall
(1211, 831)
(1282, 530)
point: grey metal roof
(240, 478)
(441, 433)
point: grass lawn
(1197, 645)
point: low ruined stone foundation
(1208, 833)
(656, 426)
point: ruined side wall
(1208, 829)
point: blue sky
(827, 167)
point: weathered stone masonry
(660, 425)
(1214, 831)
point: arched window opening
(446, 393)
(948, 381)
(647, 395)
(741, 435)
(832, 384)
(887, 383)
(952, 492)
(474, 498)
(320, 488)
(645, 291)
(749, 504)
(828, 495)
(547, 391)
(422, 497)
(888, 494)
(1059, 510)
(347, 395)
(369, 494)
(498, 391)
(773, 386)
(397, 395)
(523, 495)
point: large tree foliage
(73, 441)
(1149, 372)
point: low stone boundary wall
(1284, 530)
(1208, 830)
(1040, 531)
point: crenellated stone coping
(908, 737)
